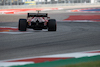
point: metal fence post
(57, 1)
(17, 2)
(76, 1)
(50, 2)
(4, 2)
(10, 2)
(81, 1)
(38, 2)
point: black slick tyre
(52, 25)
(22, 26)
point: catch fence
(40, 2)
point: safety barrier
(48, 5)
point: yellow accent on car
(30, 3)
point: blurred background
(38, 2)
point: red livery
(37, 21)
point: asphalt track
(69, 37)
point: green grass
(85, 64)
(93, 61)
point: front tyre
(52, 25)
(22, 26)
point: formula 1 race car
(37, 21)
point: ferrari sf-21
(37, 21)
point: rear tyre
(52, 25)
(22, 26)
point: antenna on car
(38, 11)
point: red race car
(37, 21)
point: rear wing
(37, 15)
